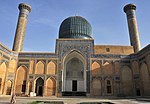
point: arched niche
(51, 68)
(50, 86)
(21, 77)
(74, 69)
(127, 83)
(145, 79)
(96, 69)
(39, 68)
(39, 87)
(3, 70)
(74, 72)
(107, 68)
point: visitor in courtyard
(13, 99)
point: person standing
(13, 99)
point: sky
(108, 21)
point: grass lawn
(47, 102)
(96, 103)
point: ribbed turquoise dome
(75, 27)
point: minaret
(129, 9)
(21, 26)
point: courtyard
(78, 65)
(74, 100)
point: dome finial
(76, 14)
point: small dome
(75, 27)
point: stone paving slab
(72, 100)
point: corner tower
(21, 26)
(129, 9)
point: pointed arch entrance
(39, 87)
(21, 77)
(74, 74)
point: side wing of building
(109, 73)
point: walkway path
(72, 100)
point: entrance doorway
(138, 93)
(74, 75)
(74, 85)
(39, 87)
(40, 91)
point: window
(108, 82)
(117, 78)
(108, 89)
(24, 86)
(107, 49)
(108, 86)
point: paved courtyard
(72, 100)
